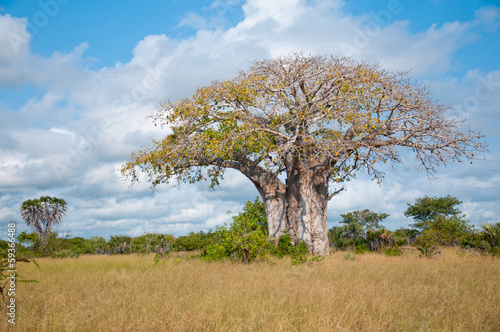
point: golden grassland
(450, 292)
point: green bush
(246, 239)
(284, 246)
(299, 253)
(394, 251)
(426, 243)
(361, 248)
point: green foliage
(65, 253)
(485, 241)
(492, 234)
(394, 251)
(254, 213)
(120, 244)
(246, 239)
(216, 251)
(41, 214)
(159, 257)
(365, 218)
(362, 232)
(97, 245)
(299, 253)
(361, 248)
(193, 241)
(317, 258)
(29, 239)
(362, 226)
(426, 243)
(152, 242)
(337, 239)
(405, 236)
(439, 217)
(284, 246)
(427, 209)
(450, 231)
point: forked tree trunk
(301, 210)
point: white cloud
(194, 21)
(489, 17)
(14, 48)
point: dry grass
(372, 293)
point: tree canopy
(42, 213)
(316, 119)
(365, 218)
(439, 220)
(426, 210)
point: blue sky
(77, 80)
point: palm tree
(42, 213)
(492, 233)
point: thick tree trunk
(307, 200)
(299, 207)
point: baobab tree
(42, 213)
(298, 126)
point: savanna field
(454, 291)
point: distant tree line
(437, 222)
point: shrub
(426, 244)
(361, 248)
(159, 257)
(393, 251)
(284, 246)
(299, 253)
(492, 234)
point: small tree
(439, 217)
(42, 214)
(367, 219)
(362, 228)
(426, 210)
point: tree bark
(275, 204)
(299, 208)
